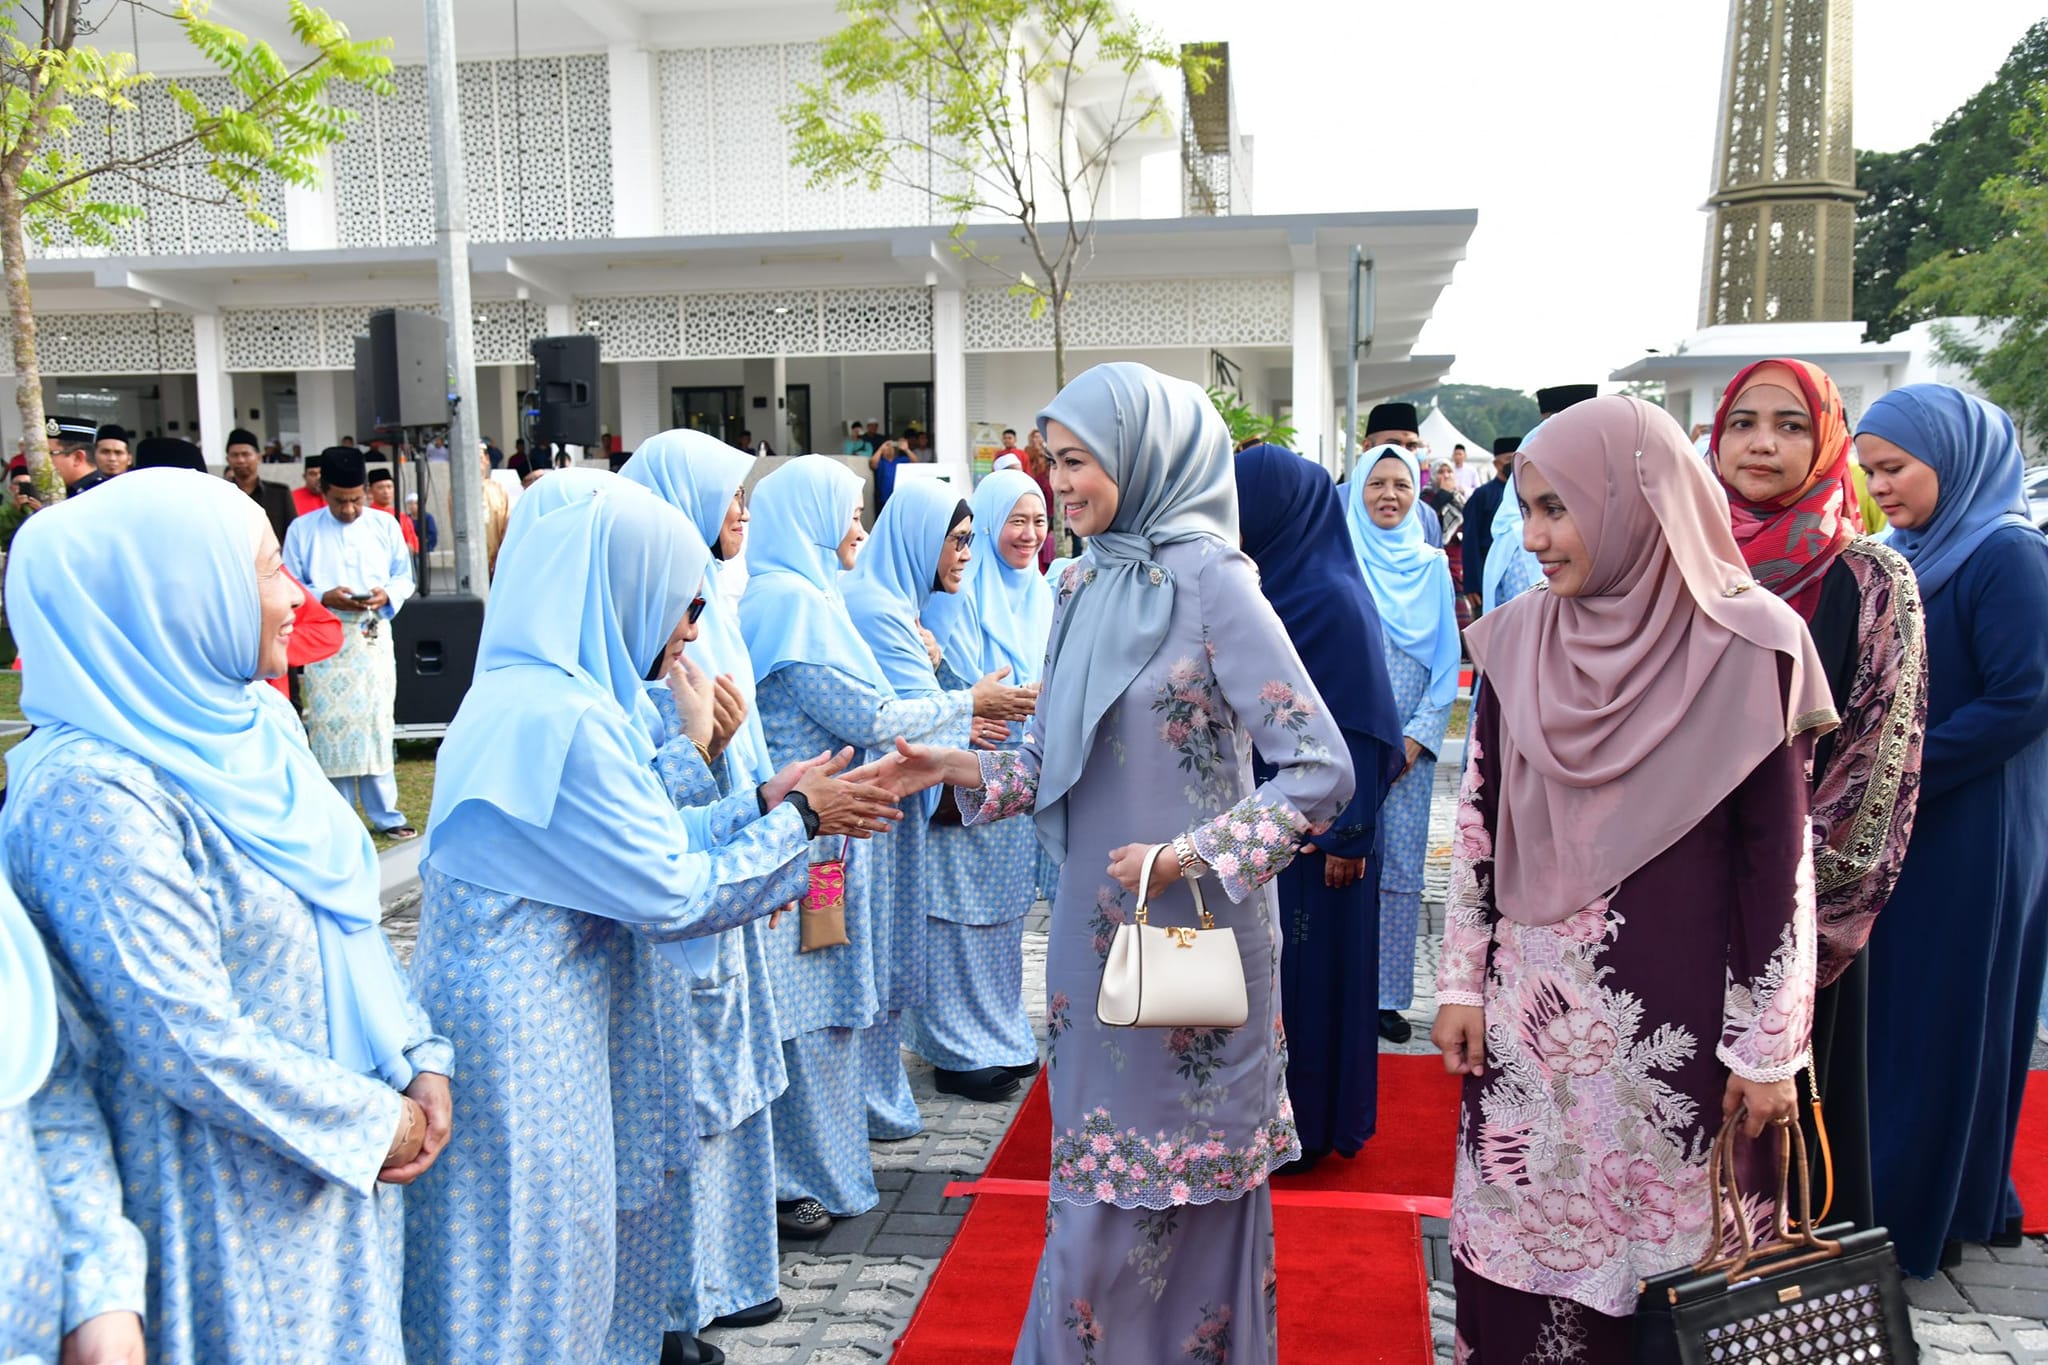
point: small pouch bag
(821, 917)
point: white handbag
(1171, 976)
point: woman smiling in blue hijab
(1957, 956)
(266, 1074)
(971, 1024)
(1411, 584)
(820, 686)
(555, 833)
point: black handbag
(1797, 1297)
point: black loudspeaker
(366, 407)
(408, 370)
(435, 639)
(565, 377)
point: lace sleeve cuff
(1008, 787)
(1249, 844)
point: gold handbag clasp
(1182, 935)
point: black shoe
(1394, 1028)
(988, 1085)
(1951, 1255)
(680, 1348)
(759, 1314)
(802, 1220)
(2012, 1236)
(1024, 1072)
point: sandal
(399, 833)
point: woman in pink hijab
(1629, 952)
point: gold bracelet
(702, 752)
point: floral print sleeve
(1864, 802)
(1009, 786)
(1251, 687)
(1468, 911)
(1768, 1013)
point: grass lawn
(10, 695)
(1461, 719)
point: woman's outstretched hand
(855, 809)
(918, 767)
(1768, 1102)
(1460, 1034)
(776, 789)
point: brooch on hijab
(1738, 587)
(1157, 577)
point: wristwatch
(804, 811)
(1184, 853)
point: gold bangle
(702, 752)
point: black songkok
(1506, 445)
(112, 431)
(1550, 402)
(380, 475)
(1392, 417)
(242, 436)
(167, 452)
(342, 467)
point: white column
(777, 435)
(636, 142)
(828, 410)
(216, 387)
(560, 323)
(10, 418)
(640, 402)
(1312, 372)
(309, 212)
(321, 420)
(509, 427)
(949, 380)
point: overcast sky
(1582, 131)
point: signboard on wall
(987, 443)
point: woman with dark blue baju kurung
(555, 840)
(819, 688)
(1293, 527)
(973, 1025)
(1957, 957)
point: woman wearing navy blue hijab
(1293, 528)
(1957, 957)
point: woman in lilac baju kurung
(1159, 1230)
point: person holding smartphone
(359, 568)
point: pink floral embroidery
(1574, 1040)
(1187, 702)
(1210, 1341)
(1081, 1322)
(1250, 843)
(1563, 1230)
(1285, 708)
(1008, 787)
(1104, 920)
(1102, 1164)
(1634, 1199)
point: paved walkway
(851, 1295)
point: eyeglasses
(696, 610)
(960, 540)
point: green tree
(1247, 423)
(63, 107)
(1927, 200)
(1002, 130)
(2004, 283)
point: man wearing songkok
(358, 567)
(111, 453)
(245, 464)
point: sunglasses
(960, 540)
(696, 609)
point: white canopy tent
(1439, 435)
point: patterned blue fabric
(974, 1013)
(731, 1187)
(514, 1239)
(248, 1155)
(791, 612)
(66, 1253)
(821, 1124)
(885, 1081)
(1404, 830)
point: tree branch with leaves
(977, 104)
(65, 104)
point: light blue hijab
(593, 578)
(1507, 543)
(139, 614)
(792, 612)
(1162, 443)
(892, 581)
(1001, 616)
(1975, 454)
(1409, 578)
(28, 1005)
(698, 474)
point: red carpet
(1352, 1287)
(2030, 1157)
(1352, 1282)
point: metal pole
(1348, 442)
(451, 234)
